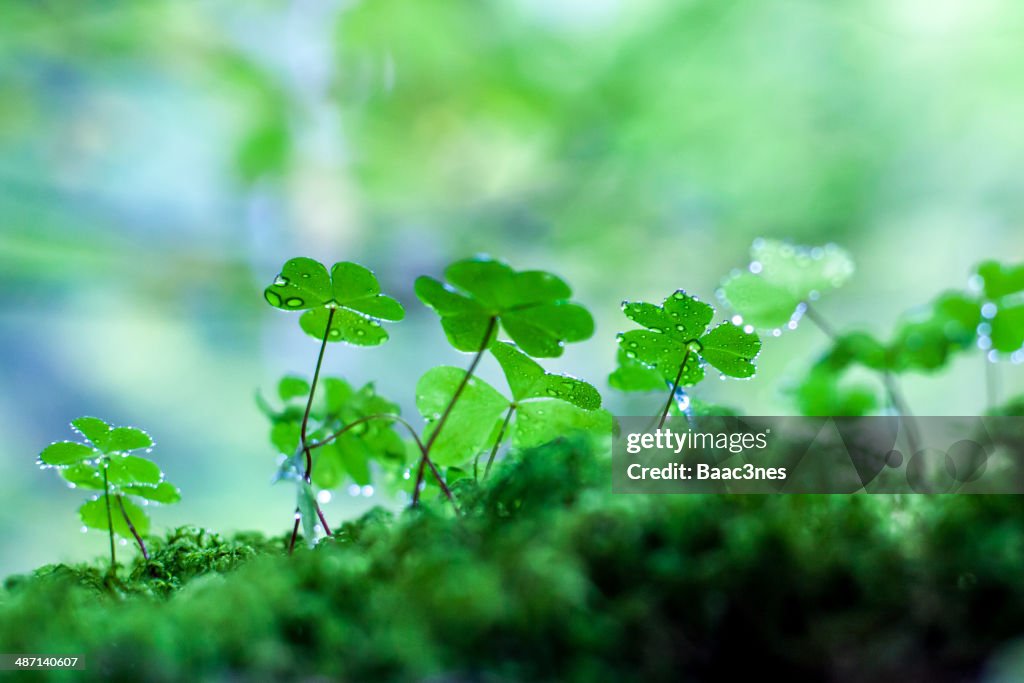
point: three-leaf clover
(532, 306)
(343, 306)
(781, 278)
(543, 407)
(677, 341)
(104, 462)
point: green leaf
(285, 437)
(528, 380)
(780, 277)
(1000, 280)
(731, 350)
(292, 387)
(539, 422)
(533, 307)
(823, 393)
(163, 492)
(632, 375)
(83, 476)
(676, 341)
(66, 453)
(1008, 329)
(350, 290)
(471, 424)
(92, 428)
(125, 439)
(305, 500)
(131, 469)
(94, 515)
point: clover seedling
(482, 297)
(677, 344)
(782, 280)
(104, 462)
(344, 305)
(543, 407)
(1003, 309)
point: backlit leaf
(472, 422)
(93, 514)
(66, 453)
(529, 380)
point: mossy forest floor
(548, 576)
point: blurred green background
(160, 160)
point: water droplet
(334, 332)
(737, 319)
(71, 485)
(680, 294)
(323, 497)
(989, 310)
(84, 529)
(791, 324)
(776, 332)
(722, 376)
(749, 329)
(367, 491)
(360, 333)
(984, 343)
(272, 298)
(298, 516)
(993, 356)
(630, 354)
(406, 474)
(305, 275)
(976, 283)
(353, 489)
(281, 281)
(694, 346)
(122, 542)
(680, 328)
(294, 302)
(756, 267)
(374, 323)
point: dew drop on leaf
(775, 333)
(122, 542)
(294, 302)
(755, 267)
(280, 281)
(367, 491)
(353, 489)
(272, 298)
(737, 319)
(989, 310)
(323, 497)
(84, 529)
(749, 329)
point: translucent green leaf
(781, 276)
(759, 302)
(66, 453)
(528, 380)
(351, 290)
(94, 515)
(292, 387)
(857, 347)
(126, 439)
(539, 422)
(1000, 280)
(163, 492)
(472, 421)
(681, 316)
(731, 350)
(305, 501)
(131, 469)
(338, 393)
(632, 375)
(823, 393)
(531, 306)
(83, 476)
(92, 428)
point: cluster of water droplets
(355, 490)
(989, 310)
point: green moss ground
(548, 576)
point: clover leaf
(532, 307)
(343, 306)
(632, 375)
(104, 462)
(544, 406)
(781, 278)
(1003, 288)
(677, 340)
(350, 454)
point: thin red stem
(131, 527)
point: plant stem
(497, 442)
(110, 517)
(312, 393)
(672, 392)
(819, 322)
(131, 527)
(412, 432)
(484, 343)
(900, 404)
(308, 475)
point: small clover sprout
(781, 281)
(677, 343)
(343, 306)
(532, 306)
(543, 407)
(103, 462)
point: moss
(548, 576)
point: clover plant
(344, 305)
(106, 461)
